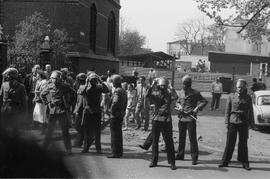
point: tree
(216, 36)
(30, 35)
(131, 42)
(251, 16)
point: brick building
(93, 26)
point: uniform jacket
(239, 109)
(162, 103)
(13, 97)
(189, 101)
(119, 103)
(54, 96)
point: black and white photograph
(135, 89)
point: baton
(188, 114)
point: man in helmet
(118, 108)
(53, 95)
(92, 111)
(161, 120)
(13, 99)
(189, 103)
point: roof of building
(145, 56)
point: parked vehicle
(261, 108)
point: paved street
(135, 161)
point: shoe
(152, 165)
(173, 167)
(223, 165)
(194, 162)
(142, 147)
(179, 158)
(113, 156)
(246, 166)
(84, 151)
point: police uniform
(238, 117)
(118, 107)
(53, 95)
(161, 123)
(13, 97)
(189, 100)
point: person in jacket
(189, 103)
(161, 121)
(92, 111)
(118, 107)
(238, 117)
(13, 100)
(53, 96)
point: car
(261, 108)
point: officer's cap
(162, 81)
(186, 79)
(81, 76)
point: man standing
(189, 103)
(55, 91)
(151, 75)
(217, 89)
(13, 99)
(261, 84)
(162, 121)
(118, 107)
(30, 85)
(92, 111)
(143, 104)
(238, 117)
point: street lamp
(45, 52)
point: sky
(158, 19)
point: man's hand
(154, 83)
(195, 110)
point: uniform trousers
(79, 129)
(166, 129)
(242, 130)
(191, 128)
(62, 118)
(215, 100)
(92, 130)
(116, 136)
(140, 115)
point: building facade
(93, 26)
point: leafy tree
(251, 16)
(29, 36)
(131, 42)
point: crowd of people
(86, 98)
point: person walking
(161, 121)
(238, 118)
(53, 96)
(92, 111)
(189, 103)
(118, 107)
(131, 104)
(216, 89)
(143, 105)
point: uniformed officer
(161, 121)
(238, 117)
(55, 91)
(13, 98)
(118, 107)
(78, 111)
(92, 111)
(189, 103)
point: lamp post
(45, 52)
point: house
(93, 26)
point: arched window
(93, 26)
(111, 34)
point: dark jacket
(162, 102)
(239, 109)
(189, 101)
(119, 102)
(54, 95)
